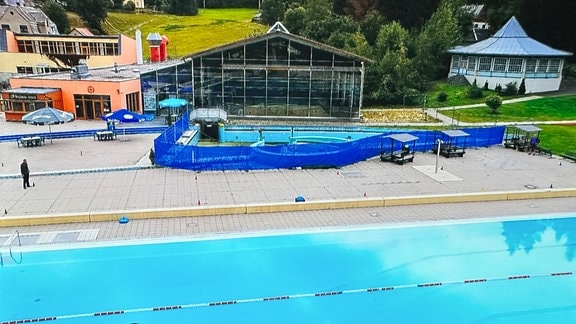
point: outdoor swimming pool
(497, 271)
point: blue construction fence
(341, 146)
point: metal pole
(437, 155)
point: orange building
(87, 93)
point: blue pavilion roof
(510, 40)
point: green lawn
(457, 96)
(549, 108)
(188, 34)
(558, 138)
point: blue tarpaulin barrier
(359, 144)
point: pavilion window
(542, 65)
(515, 65)
(531, 65)
(485, 64)
(472, 63)
(554, 66)
(455, 61)
(500, 64)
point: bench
(449, 150)
(30, 141)
(399, 157)
(104, 136)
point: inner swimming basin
(506, 270)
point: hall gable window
(24, 29)
(500, 64)
(485, 64)
(515, 65)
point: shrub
(498, 88)
(511, 89)
(493, 102)
(486, 85)
(522, 88)
(474, 92)
(442, 97)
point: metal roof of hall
(510, 40)
(278, 30)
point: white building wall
(532, 85)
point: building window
(531, 65)
(24, 29)
(455, 61)
(472, 63)
(542, 65)
(485, 64)
(515, 65)
(554, 66)
(25, 46)
(6, 26)
(499, 64)
(24, 69)
(133, 101)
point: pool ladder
(13, 255)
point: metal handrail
(19, 244)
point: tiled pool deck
(77, 179)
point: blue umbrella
(48, 116)
(123, 116)
(172, 103)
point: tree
(441, 32)
(57, 14)
(493, 102)
(183, 8)
(522, 88)
(272, 11)
(93, 12)
(294, 19)
(370, 25)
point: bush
(474, 92)
(442, 97)
(498, 88)
(522, 88)
(511, 89)
(486, 85)
(493, 102)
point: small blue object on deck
(299, 199)
(123, 220)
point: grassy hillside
(188, 34)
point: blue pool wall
(361, 143)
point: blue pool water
(500, 271)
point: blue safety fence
(355, 144)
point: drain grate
(352, 174)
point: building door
(91, 106)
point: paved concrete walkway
(80, 176)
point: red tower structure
(163, 48)
(154, 40)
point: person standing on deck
(25, 171)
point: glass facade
(271, 75)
